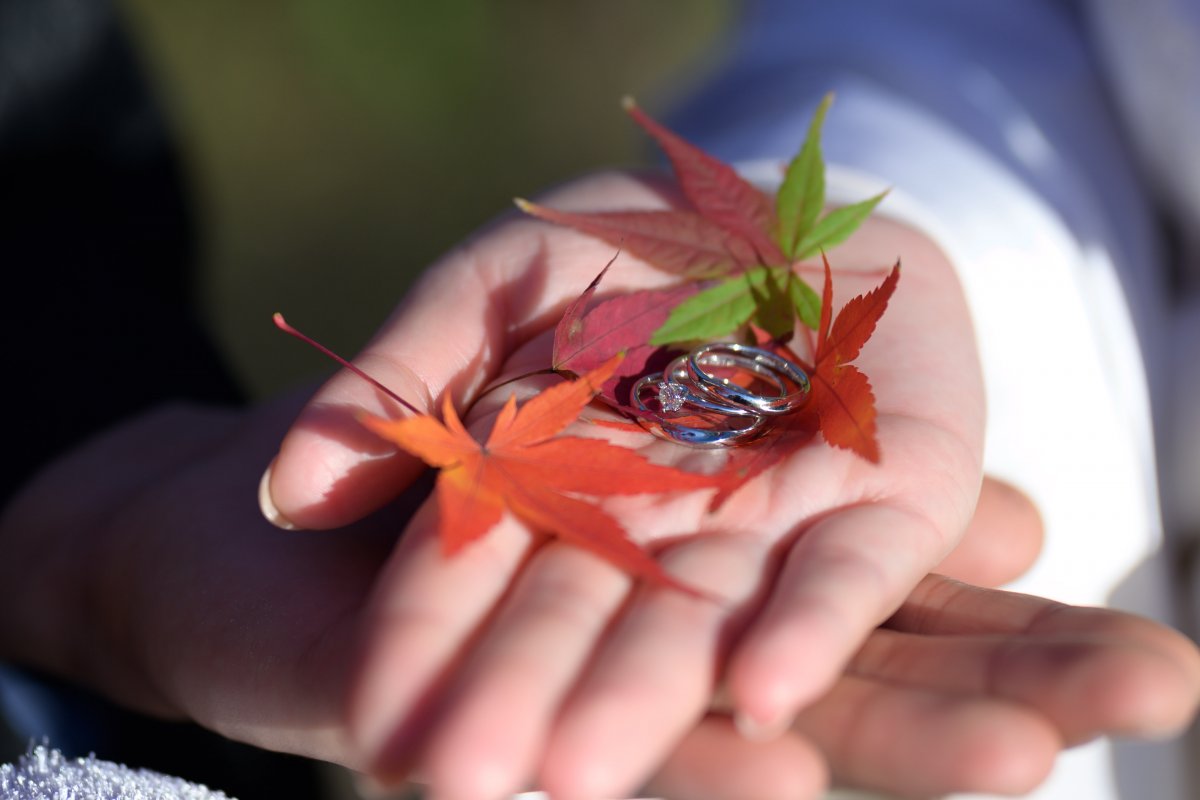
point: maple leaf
(770, 296)
(541, 478)
(733, 231)
(841, 406)
(715, 189)
(841, 393)
(682, 242)
(586, 336)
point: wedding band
(677, 389)
(715, 353)
(691, 387)
(695, 436)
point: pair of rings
(732, 390)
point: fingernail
(757, 730)
(267, 505)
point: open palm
(160, 585)
(525, 661)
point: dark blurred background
(316, 157)
(333, 150)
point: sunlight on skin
(844, 575)
(160, 585)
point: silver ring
(677, 389)
(695, 436)
(787, 401)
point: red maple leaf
(727, 229)
(733, 233)
(731, 225)
(683, 242)
(716, 190)
(841, 406)
(542, 478)
(587, 336)
(841, 393)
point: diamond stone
(671, 396)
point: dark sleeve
(98, 316)
(97, 240)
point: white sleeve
(988, 121)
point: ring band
(695, 436)
(738, 413)
(726, 390)
(678, 390)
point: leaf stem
(283, 325)
(493, 387)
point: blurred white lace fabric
(44, 773)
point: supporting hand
(491, 657)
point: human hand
(492, 656)
(965, 689)
(140, 566)
(162, 587)
(137, 565)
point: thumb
(452, 333)
(330, 470)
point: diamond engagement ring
(727, 392)
(722, 425)
(677, 389)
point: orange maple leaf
(841, 406)
(841, 393)
(538, 476)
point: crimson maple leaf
(587, 336)
(841, 393)
(841, 399)
(841, 405)
(541, 478)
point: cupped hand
(964, 689)
(506, 661)
(143, 570)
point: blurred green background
(335, 149)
